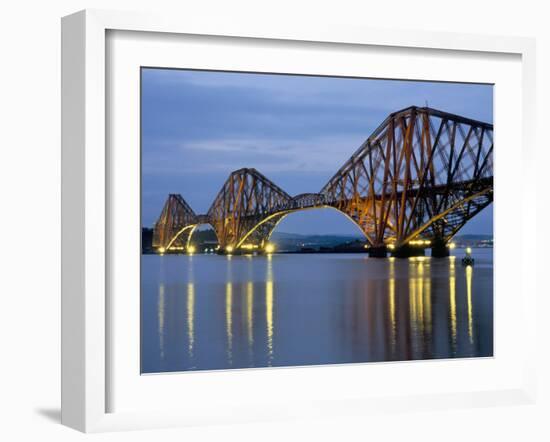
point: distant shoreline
(300, 252)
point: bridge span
(417, 179)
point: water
(207, 312)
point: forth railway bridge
(414, 183)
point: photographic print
(295, 220)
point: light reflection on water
(214, 312)
(452, 302)
(269, 309)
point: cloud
(317, 155)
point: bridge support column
(377, 252)
(440, 249)
(407, 251)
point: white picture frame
(86, 315)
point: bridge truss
(422, 174)
(175, 226)
(248, 207)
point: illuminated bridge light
(269, 248)
(420, 242)
(191, 249)
(249, 246)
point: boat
(468, 260)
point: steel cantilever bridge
(417, 179)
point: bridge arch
(181, 236)
(202, 223)
(447, 224)
(280, 216)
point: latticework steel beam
(175, 225)
(247, 207)
(423, 173)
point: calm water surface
(206, 312)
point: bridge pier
(440, 249)
(408, 251)
(377, 252)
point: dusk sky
(199, 126)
